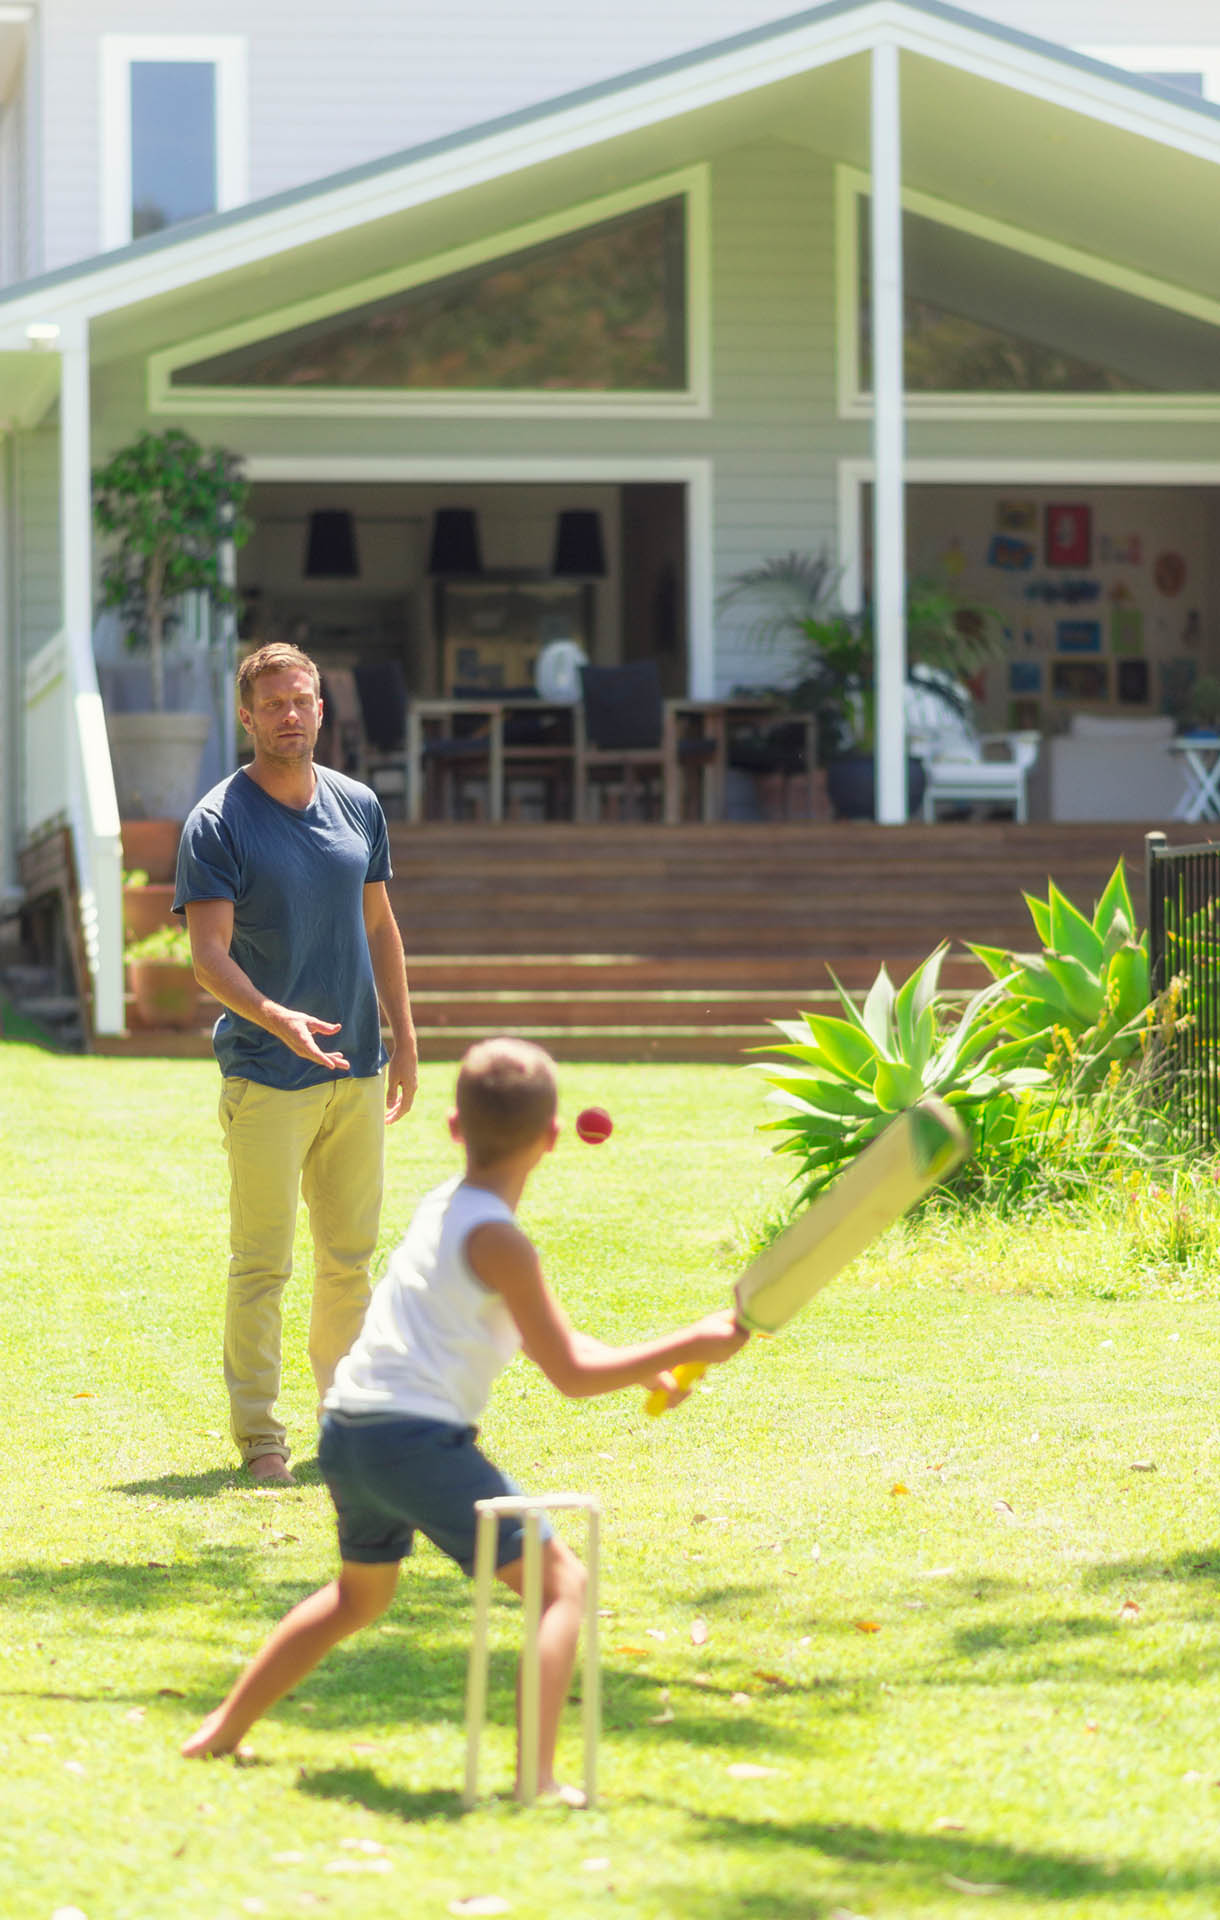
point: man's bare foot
(560, 1791)
(271, 1469)
(208, 1742)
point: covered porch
(765, 199)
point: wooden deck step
(684, 943)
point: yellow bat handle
(686, 1375)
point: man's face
(284, 715)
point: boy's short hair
(506, 1096)
(275, 657)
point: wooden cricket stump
(531, 1507)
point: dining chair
(625, 746)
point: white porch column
(889, 516)
(94, 809)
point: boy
(462, 1292)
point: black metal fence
(1184, 962)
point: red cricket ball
(594, 1125)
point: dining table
(698, 735)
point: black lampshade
(579, 551)
(330, 548)
(455, 541)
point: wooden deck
(681, 943)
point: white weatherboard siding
(334, 87)
(37, 497)
(773, 439)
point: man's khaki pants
(327, 1142)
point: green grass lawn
(953, 1539)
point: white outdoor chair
(966, 768)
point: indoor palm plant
(796, 605)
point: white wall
(332, 87)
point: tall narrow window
(174, 140)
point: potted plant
(833, 653)
(161, 975)
(167, 506)
(147, 904)
(1203, 706)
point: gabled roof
(738, 65)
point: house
(889, 277)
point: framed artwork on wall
(1069, 536)
(1080, 679)
(1078, 636)
(1132, 682)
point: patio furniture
(965, 768)
(625, 741)
(381, 689)
(1200, 759)
(1114, 767)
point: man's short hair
(506, 1097)
(276, 657)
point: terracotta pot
(166, 993)
(153, 846)
(147, 908)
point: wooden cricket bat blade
(914, 1153)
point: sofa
(1109, 767)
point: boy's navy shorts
(393, 1475)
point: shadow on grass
(910, 1863)
(187, 1486)
(201, 1486)
(407, 1668)
(1195, 1563)
(364, 1786)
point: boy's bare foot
(207, 1742)
(560, 1791)
(271, 1469)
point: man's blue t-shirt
(296, 878)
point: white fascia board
(107, 287)
(1061, 83)
(680, 91)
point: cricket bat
(895, 1170)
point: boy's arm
(577, 1364)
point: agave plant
(841, 1081)
(1082, 1003)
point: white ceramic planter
(156, 759)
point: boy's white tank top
(434, 1337)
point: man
(281, 875)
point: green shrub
(1081, 1003)
(841, 1081)
(164, 943)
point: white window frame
(854, 403)
(1176, 58)
(120, 51)
(694, 401)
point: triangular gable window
(600, 310)
(981, 318)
